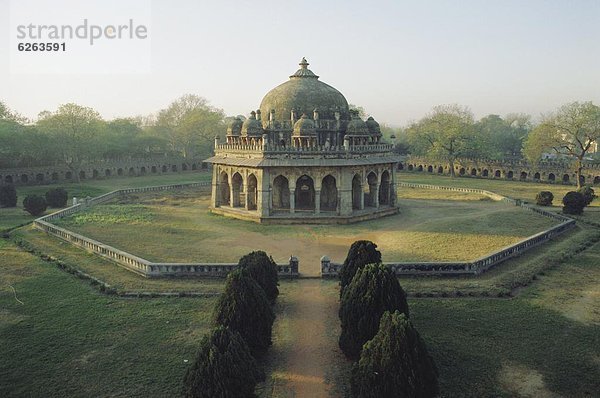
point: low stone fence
(474, 267)
(134, 263)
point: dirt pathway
(308, 360)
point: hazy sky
(397, 59)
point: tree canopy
(373, 290)
(572, 131)
(447, 133)
(261, 267)
(361, 253)
(243, 306)
(224, 367)
(395, 363)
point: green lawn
(177, 227)
(68, 340)
(10, 217)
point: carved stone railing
(330, 269)
(132, 262)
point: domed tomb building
(304, 157)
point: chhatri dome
(304, 157)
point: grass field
(60, 337)
(16, 216)
(65, 339)
(177, 227)
(513, 189)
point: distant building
(304, 156)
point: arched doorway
(384, 189)
(372, 195)
(236, 187)
(420, 168)
(356, 192)
(440, 170)
(252, 192)
(536, 176)
(107, 173)
(596, 180)
(430, 169)
(410, 167)
(281, 193)
(497, 174)
(224, 188)
(39, 177)
(485, 172)
(523, 176)
(461, 171)
(329, 194)
(509, 175)
(82, 175)
(551, 177)
(565, 178)
(473, 172)
(305, 193)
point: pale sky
(397, 59)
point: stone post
(246, 196)
(375, 199)
(294, 264)
(317, 201)
(325, 262)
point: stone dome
(373, 126)
(252, 127)
(356, 126)
(235, 127)
(303, 93)
(304, 127)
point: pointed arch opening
(329, 194)
(356, 192)
(224, 189)
(384, 189)
(252, 194)
(372, 194)
(305, 193)
(237, 184)
(281, 193)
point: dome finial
(304, 64)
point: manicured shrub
(588, 194)
(224, 367)
(8, 196)
(395, 363)
(35, 204)
(244, 307)
(373, 290)
(263, 270)
(361, 253)
(56, 197)
(544, 198)
(573, 202)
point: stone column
(231, 198)
(214, 200)
(393, 193)
(317, 201)
(362, 198)
(292, 199)
(263, 200)
(246, 196)
(376, 198)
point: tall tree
(76, 134)
(502, 138)
(395, 363)
(224, 367)
(361, 253)
(244, 307)
(572, 130)
(190, 124)
(373, 290)
(261, 267)
(447, 133)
